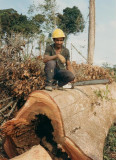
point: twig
(2, 114)
(2, 120)
(5, 99)
(3, 109)
(11, 111)
(79, 52)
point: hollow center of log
(44, 130)
(43, 127)
(38, 131)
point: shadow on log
(70, 124)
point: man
(57, 62)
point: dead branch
(85, 72)
(9, 104)
(11, 111)
(5, 99)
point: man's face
(58, 42)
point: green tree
(45, 16)
(11, 21)
(71, 21)
(47, 10)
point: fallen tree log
(69, 124)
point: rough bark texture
(80, 118)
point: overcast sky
(105, 44)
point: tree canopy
(11, 21)
(71, 21)
(47, 11)
(42, 21)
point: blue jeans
(52, 73)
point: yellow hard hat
(58, 33)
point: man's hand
(61, 58)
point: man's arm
(48, 58)
(48, 54)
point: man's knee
(50, 64)
(49, 68)
(71, 76)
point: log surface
(87, 118)
(81, 117)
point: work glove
(61, 58)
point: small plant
(103, 94)
(110, 144)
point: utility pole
(91, 33)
